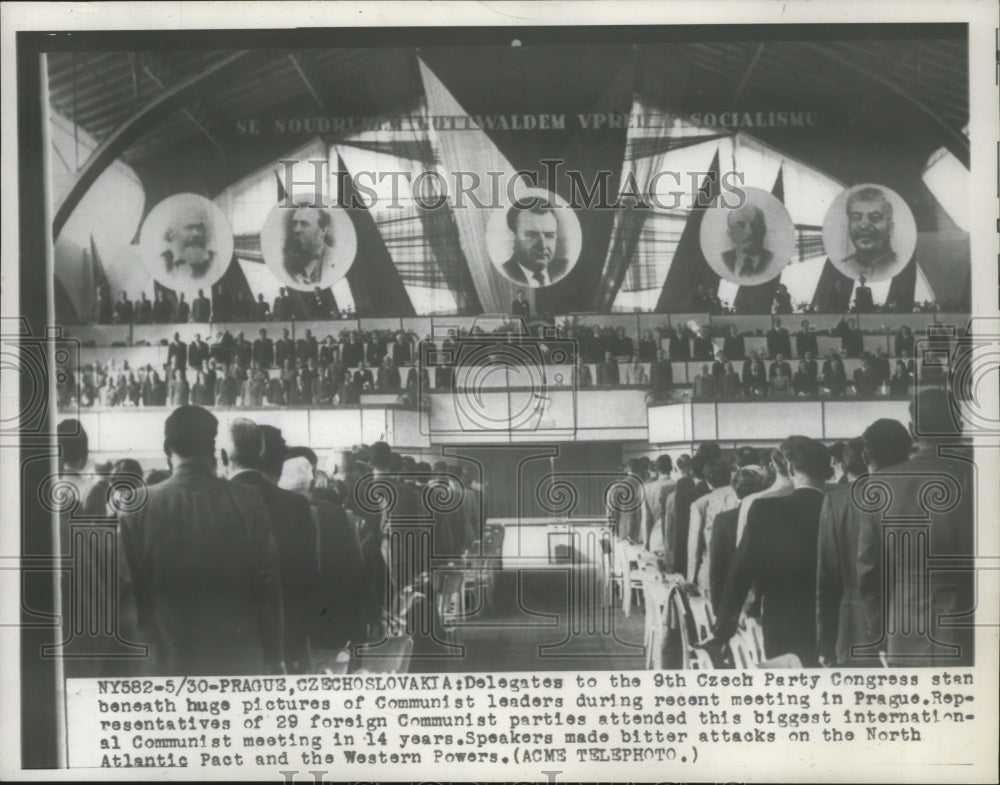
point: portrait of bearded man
(308, 244)
(190, 244)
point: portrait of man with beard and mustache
(190, 243)
(308, 246)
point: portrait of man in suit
(749, 243)
(534, 262)
(747, 229)
(308, 244)
(869, 227)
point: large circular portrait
(749, 244)
(186, 242)
(869, 233)
(536, 241)
(307, 247)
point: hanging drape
(471, 151)
(422, 241)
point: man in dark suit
(307, 347)
(852, 342)
(805, 341)
(680, 347)
(351, 351)
(841, 623)
(282, 310)
(722, 547)
(919, 616)
(256, 458)
(243, 350)
(778, 553)
(747, 229)
(346, 603)
(701, 346)
(162, 311)
(177, 353)
(143, 310)
(402, 352)
(690, 487)
(124, 310)
(581, 376)
(363, 377)
(520, 307)
(607, 371)
(284, 349)
(201, 308)
(535, 228)
(778, 340)
(388, 376)
(661, 375)
(263, 350)
(733, 345)
(203, 565)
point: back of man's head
(189, 432)
(717, 473)
(746, 481)
(684, 464)
(748, 456)
(273, 458)
(779, 456)
(379, 456)
(246, 444)
(811, 459)
(852, 456)
(73, 443)
(664, 465)
(886, 443)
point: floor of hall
(542, 620)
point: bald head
(747, 228)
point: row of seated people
(777, 380)
(311, 383)
(592, 344)
(222, 306)
(684, 342)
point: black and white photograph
(186, 242)
(869, 233)
(507, 391)
(535, 242)
(308, 246)
(750, 243)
